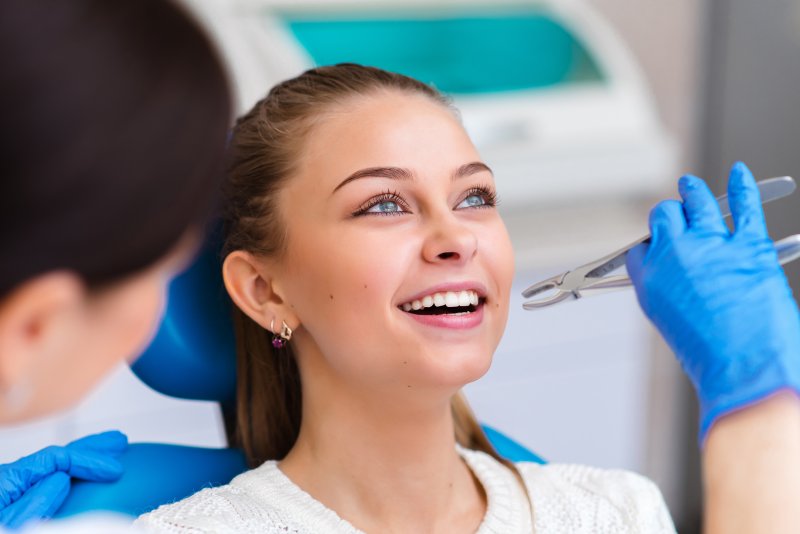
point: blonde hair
(266, 144)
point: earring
(280, 339)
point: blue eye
(389, 203)
(478, 197)
(472, 201)
(387, 206)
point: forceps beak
(546, 286)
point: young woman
(371, 274)
(114, 118)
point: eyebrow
(399, 173)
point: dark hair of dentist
(114, 116)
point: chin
(461, 367)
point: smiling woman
(371, 275)
(367, 211)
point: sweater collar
(506, 510)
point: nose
(449, 241)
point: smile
(444, 303)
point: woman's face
(392, 210)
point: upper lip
(477, 287)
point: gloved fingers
(91, 465)
(667, 220)
(700, 206)
(111, 442)
(745, 202)
(40, 502)
(17, 477)
(634, 263)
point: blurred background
(588, 111)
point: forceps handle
(769, 189)
(788, 250)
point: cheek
(349, 283)
(128, 320)
(499, 257)
(115, 328)
(344, 297)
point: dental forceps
(591, 277)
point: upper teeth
(451, 299)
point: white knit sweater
(566, 498)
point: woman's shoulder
(585, 478)
(617, 500)
(230, 508)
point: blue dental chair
(193, 356)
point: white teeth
(450, 299)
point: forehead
(386, 129)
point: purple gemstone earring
(280, 339)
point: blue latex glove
(34, 487)
(720, 299)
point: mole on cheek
(331, 296)
(365, 286)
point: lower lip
(455, 322)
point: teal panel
(475, 53)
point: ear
(30, 321)
(252, 288)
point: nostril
(447, 255)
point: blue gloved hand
(720, 299)
(34, 487)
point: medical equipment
(592, 278)
(551, 96)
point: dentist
(114, 123)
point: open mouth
(445, 303)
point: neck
(382, 466)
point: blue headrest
(155, 474)
(193, 354)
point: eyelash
(488, 194)
(388, 196)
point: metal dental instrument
(591, 277)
